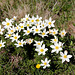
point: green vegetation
(22, 61)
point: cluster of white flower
(34, 25)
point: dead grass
(20, 8)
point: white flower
(45, 63)
(54, 32)
(44, 33)
(41, 50)
(15, 37)
(32, 20)
(38, 43)
(55, 40)
(50, 23)
(56, 47)
(64, 56)
(1, 30)
(26, 18)
(28, 24)
(36, 29)
(61, 44)
(22, 20)
(50, 31)
(11, 30)
(2, 44)
(22, 25)
(62, 33)
(8, 34)
(37, 24)
(38, 19)
(28, 31)
(7, 23)
(43, 25)
(20, 43)
(14, 18)
(17, 28)
(29, 41)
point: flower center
(32, 20)
(65, 56)
(20, 43)
(27, 24)
(11, 30)
(37, 20)
(0, 30)
(9, 35)
(36, 24)
(30, 41)
(43, 33)
(15, 37)
(36, 30)
(43, 25)
(28, 31)
(22, 19)
(8, 24)
(38, 66)
(0, 45)
(62, 33)
(54, 32)
(14, 18)
(38, 43)
(26, 19)
(55, 40)
(16, 27)
(45, 63)
(41, 50)
(56, 47)
(21, 26)
(49, 23)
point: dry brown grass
(20, 8)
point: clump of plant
(36, 41)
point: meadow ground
(63, 11)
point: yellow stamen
(20, 43)
(62, 33)
(41, 50)
(43, 25)
(56, 47)
(14, 18)
(8, 24)
(37, 20)
(36, 24)
(55, 40)
(21, 26)
(11, 30)
(38, 43)
(49, 23)
(36, 30)
(27, 24)
(15, 37)
(54, 33)
(9, 35)
(16, 27)
(43, 33)
(28, 31)
(30, 41)
(0, 45)
(65, 56)
(32, 20)
(22, 20)
(26, 19)
(45, 63)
